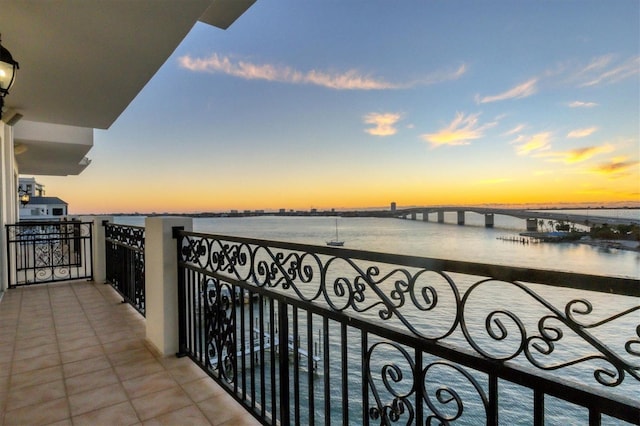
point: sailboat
(336, 242)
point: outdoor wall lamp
(24, 197)
(8, 69)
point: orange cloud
(383, 123)
(348, 80)
(578, 155)
(581, 133)
(523, 90)
(618, 167)
(461, 131)
(535, 144)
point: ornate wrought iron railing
(124, 257)
(304, 334)
(42, 252)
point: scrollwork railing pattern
(49, 251)
(502, 316)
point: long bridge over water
(531, 217)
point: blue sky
(339, 104)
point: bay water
(475, 243)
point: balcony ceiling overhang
(83, 62)
(51, 149)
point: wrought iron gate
(43, 252)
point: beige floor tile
(90, 365)
(36, 377)
(69, 335)
(96, 379)
(5, 369)
(202, 389)
(23, 344)
(97, 398)
(155, 404)
(187, 416)
(80, 354)
(84, 342)
(6, 354)
(144, 385)
(121, 414)
(221, 408)
(65, 422)
(36, 394)
(136, 369)
(36, 351)
(115, 336)
(39, 414)
(242, 420)
(187, 373)
(123, 345)
(31, 332)
(30, 364)
(134, 355)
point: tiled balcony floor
(72, 354)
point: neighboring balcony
(300, 334)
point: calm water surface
(473, 243)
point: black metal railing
(305, 335)
(49, 251)
(124, 257)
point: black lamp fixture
(8, 68)
(24, 196)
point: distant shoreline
(630, 245)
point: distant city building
(30, 186)
(234, 211)
(282, 211)
(393, 206)
(40, 207)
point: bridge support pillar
(460, 217)
(532, 224)
(488, 220)
(413, 216)
(440, 217)
(425, 215)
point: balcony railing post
(161, 281)
(182, 332)
(283, 343)
(98, 249)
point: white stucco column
(99, 266)
(161, 282)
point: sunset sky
(342, 104)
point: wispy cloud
(515, 130)
(535, 144)
(383, 124)
(523, 90)
(581, 133)
(578, 155)
(347, 80)
(581, 104)
(461, 131)
(606, 70)
(616, 168)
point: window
(57, 211)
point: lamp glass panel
(6, 75)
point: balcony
(297, 334)
(72, 352)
